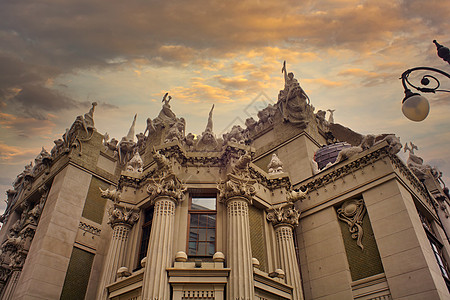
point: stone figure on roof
(208, 141)
(292, 100)
(89, 117)
(166, 117)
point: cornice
(366, 158)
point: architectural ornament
(352, 212)
(112, 194)
(207, 141)
(331, 117)
(283, 215)
(294, 196)
(236, 135)
(415, 164)
(166, 117)
(368, 141)
(135, 165)
(236, 187)
(127, 145)
(122, 215)
(176, 132)
(275, 166)
(169, 186)
(292, 100)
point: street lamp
(414, 106)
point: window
(202, 226)
(145, 237)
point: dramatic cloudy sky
(58, 56)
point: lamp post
(414, 106)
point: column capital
(166, 186)
(236, 187)
(285, 214)
(120, 214)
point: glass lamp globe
(415, 107)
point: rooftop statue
(208, 141)
(415, 164)
(89, 117)
(166, 117)
(292, 100)
(331, 117)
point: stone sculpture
(135, 165)
(275, 166)
(292, 100)
(415, 164)
(166, 117)
(331, 118)
(208, 141)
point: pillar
(237, 193)
(121, 220)
(166, 192)
(284, 219)
(159, 253)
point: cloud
(324, 82)
(368, 78)
(25, 126)
(14, 155)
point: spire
(209, 126)
(130, 135)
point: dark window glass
(145, 237)
(202, 226)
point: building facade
(291, 207)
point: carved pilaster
(352, 212)
(284, 218)
(165, 192)
(237, 193)
(121, 219)
(159, 253)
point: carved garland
(352, 212)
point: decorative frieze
(89, 228)
(352, 212)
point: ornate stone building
(291, 207)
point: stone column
(165, 193)
(237, 194)
(121, 219)
(284, 219)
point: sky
(58, 56)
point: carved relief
(283, 215)
(113, 194)
(236, 187)
(275, 166)
(135, 164)
(168, 186)
(352, 212)
(415, 164)
(122, 215)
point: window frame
(148, 224)
(201, 212)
